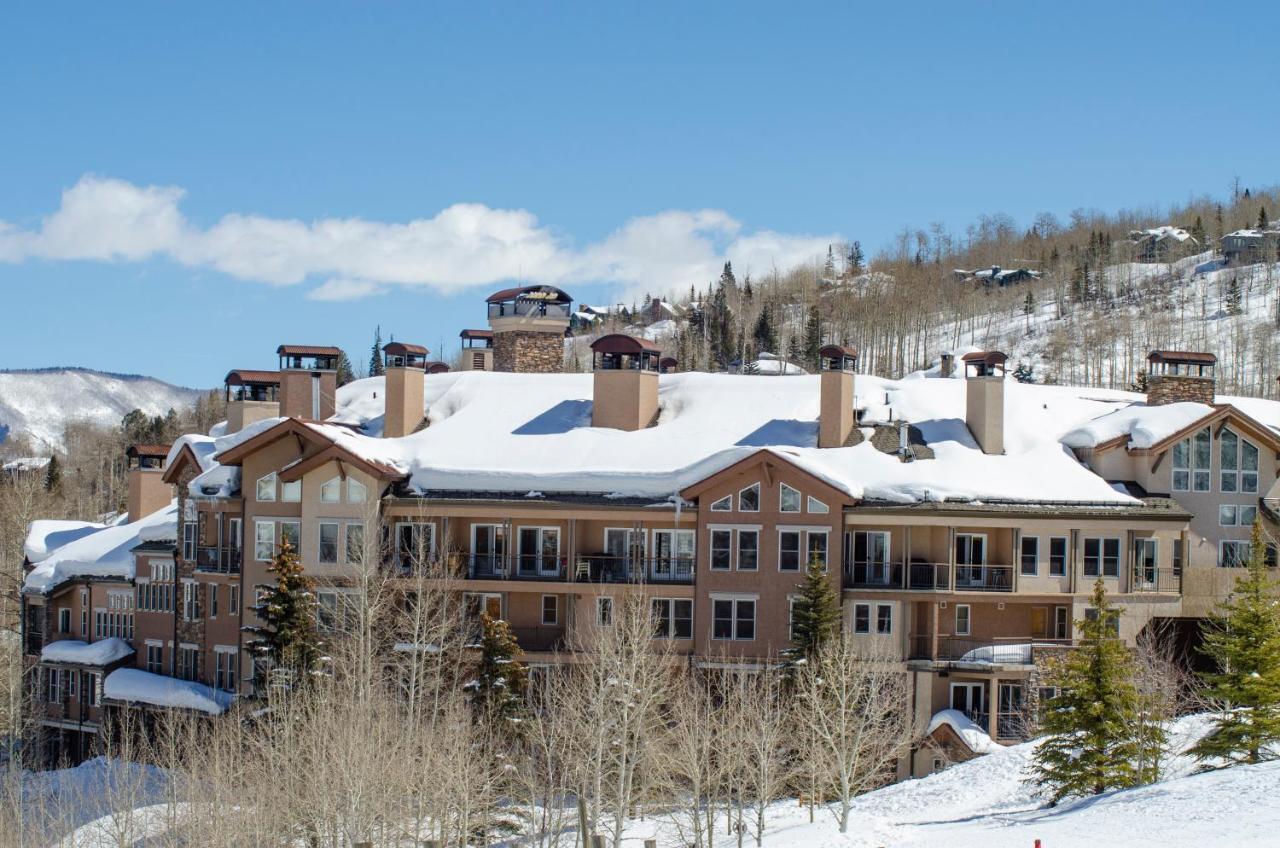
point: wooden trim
(185, 457)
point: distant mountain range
(41, 402)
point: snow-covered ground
(41, 403)
(984, 803)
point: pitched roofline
(289, 426)
(337, 453)
(761, 455)
(1221, 411)
(174, 469)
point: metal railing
(874, 575)
(546, 638)
(929, 576)
(221, 560)
(984, 578)
(1011, 650)
(528, 308)
(589, 568)
(1155, 580)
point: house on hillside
(997, 276)
(1248, 247)
(1162, 244)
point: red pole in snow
(1037, 843)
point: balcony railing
(546, 638)
(220, 560)
(589, 568)
(528, 308)
(1155, 580)
(929, 576)
(1014, 650)
(874, 575)
(984, 578)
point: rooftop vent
(625, 388)
(984, 401)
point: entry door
(539, 551)
(970, 699)
(1011, 718)
(971, 556)
(625, 548)
(489, 548)
(1144, 563)
(1040, 621)
(672, 553)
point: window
(673, 618)
(748, 550)
(1191, 462)
(328, 542)
(1177, 556)
(604, 612)
(817, 547)
(962, 619)
(84, 623)
(334, 610)
(291, 532)
(1231, 515)
(233, 531)
(862, 618)
(233, 600)
(791, 617)
(291, 492)
(355, 543)
(1061, 623)
(817, 507)
(1239, 463)
(54, 692)
(550, 609)
(155, 658)
(64, 620)
(789, 550)
(749, 499)
(267, 487)
(789, 500)
(1030, 558)
(190, 538)
(725, 504)
(188, 662)
(884, 618)
(1101, 557)
(331, 491)
(733, 618)
(356, 491)
(213, 600)
(225, 668)
(1058, 556)
(721, 549)
(1113, 620)
(1233, 554)
(415, 543)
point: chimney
(251, 396)
(529, 326)
(1175, 376)
(835, 417)
(147, 490)
(947, 365)
(477, 350)
(984, 402)
(668, 365)
(625, 389)
(405, 372)
(308, 381)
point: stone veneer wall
(528, 352)
(1168, 388)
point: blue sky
(182, 189)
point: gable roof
(1223, 413)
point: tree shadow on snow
(564, 416)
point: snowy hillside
(40, 403)
(984, 802)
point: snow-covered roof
(45, 536)
(24, 464)
(133, 685)
(99, 653)
(971, 734)
(105, 552)
(1144, 425)
(1162, 232)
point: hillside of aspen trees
(1094, 305)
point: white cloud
(464, 246)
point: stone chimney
(946, 365)
(837, 364)
(308, 381)
(1176, 376)
(625, 390)
(405, 371)
(984, 402)
(147, 490)
(477, 350)
(251, 396)
(529, 325)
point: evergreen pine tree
(1139, 382)
(53, 474)
(1024, 373)
(763, 333)
(501, 683)
(288, 638)
(812, 337)
(856, 259)
(1090, 746)
(345, 373)
(1244, 643)
(1197, 231)
(1233, 296)
(375, 359)
(829, 269)
(815, 615)
(1262, 217)
(726, 276)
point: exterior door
(625, 549)
(971, 556)
(1040, 621)
(1010, 721)
(871, 557)
(1144, 563)
(970, 699)
(539, 552)
(489, 548)
(672, 554)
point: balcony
(929, 577)
(874, 575)
(1163, 580)
(1011, 650)
(539, 639)
(590, 568)
(984, 578)
(218, 560)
